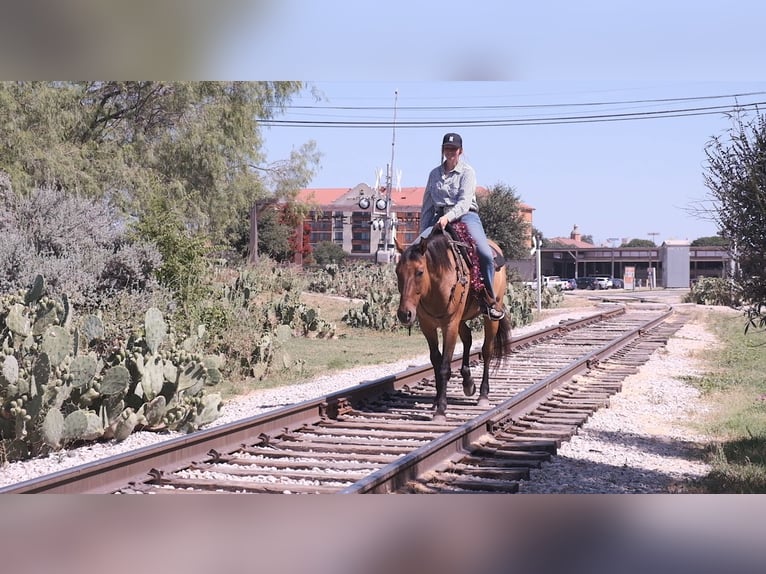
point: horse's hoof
(439, 418)
(483, 402)
(469, 389)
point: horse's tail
(502, 343)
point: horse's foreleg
(436, 356)
(449, 335)
(469, 388)
(490, 330)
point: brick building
(354, 218)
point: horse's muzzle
(405, 316)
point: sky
(614, 179)
(565, 147)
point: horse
(434, 283)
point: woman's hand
(442, 222)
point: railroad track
(378, 437)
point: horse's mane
(437, 252)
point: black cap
(452, 140)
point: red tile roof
(568, 242)
(404, 197)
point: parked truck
(549, 281)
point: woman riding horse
(450, 195)
(435, 287)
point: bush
(713, 291)
(183, 256)
(328, 252)
(80, 246)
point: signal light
(364, 202)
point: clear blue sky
(614, 179)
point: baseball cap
(452, 140)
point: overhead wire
(532, 120)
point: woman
(451, 196)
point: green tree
(328, 252)
(196, 143)
(183, 255)
(274, 236)
(735, 175)
(500, 212)
(639, 243)
(712, 241)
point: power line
(523, 106)
(528, 121)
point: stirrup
(493, 312)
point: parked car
(585, 282)
(617, 283)
(568, 284)
(603, 282)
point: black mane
(436, 252)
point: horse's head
(412, 279)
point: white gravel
(640, 442)
(646, 441)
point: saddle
(465, 246)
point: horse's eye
(419, 273)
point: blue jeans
(484, 251)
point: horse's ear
(399, 247)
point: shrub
(80, 246)
(713, 291)
(328, 252)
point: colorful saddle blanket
(459, 232)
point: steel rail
(456, 442)
(110, 474)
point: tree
(587, 239)
(328, 252)
(198, 144)
(735, 175)
(275, 237)
(712, 241)
(639, 243)
(500, 212)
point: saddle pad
(459, 231)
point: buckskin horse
(435, 286)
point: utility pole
(536, 245)
(652, 275)
(611, 241)
(388, 230)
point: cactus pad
(35, 291)
(116, 380)
(82, 425)
(17, 321)
(57, 343)
(156, 329)
(10, 370)
(82, 369)
(92, 328)
(52, 429)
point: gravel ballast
(642, 443)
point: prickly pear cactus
(63, 380)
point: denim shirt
(448, 193)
